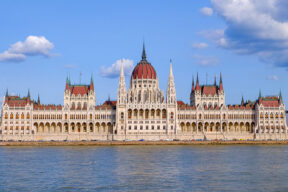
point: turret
(193, 86)
(91, 84)
(280, 97)
(122, 87)
(242, 101)
(197, 84)
(38, 101)
(260, 97)
(67, 83)
(221, 83)
(171, 91)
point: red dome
(144, 70)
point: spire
(171, 72)
(242, 100)
(7, 92)
(122, 70)
(91, 83)
(143, 53)
(215, 81)
(67, 83)
(221, 83)
(197, 83)
(260, 95)
(28, 95)
(280, 97)
(38, 99)
(220, 77)
(122, 86)
(171, 91)
(193, 87)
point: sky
(42, 42)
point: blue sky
(43, 42)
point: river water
(145, 168)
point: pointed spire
(91, 83)
(242, 100)
(171, 72)
(220, 77)
(221, 83)
(122, 69)
(7, 92)
(143, 53)
(193, 87)
(260, 95)
(91, 80)
(38, 101)
(28, 95)
(215, 81)
(67, 83)
(280, 97)
(197, 83)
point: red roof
(179, 103)
(113, 103)
(270, 103)
(209, 90)
(79, 89)
(144, 70)
(17, 101)
(47, 107)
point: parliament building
(143, 112)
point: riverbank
(115, 143)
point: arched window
(271, 115)
(139, 96)
(6, 115)
(171, 115)
(17, 116)
(22, 116)
(28, 116)
(122, 115)
(129, 113)
(11, 116)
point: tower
(121, 88)
(121, 104)
(171, 91)
(171, 101)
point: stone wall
(148, 137)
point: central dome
(144, 69)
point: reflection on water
(145, 168)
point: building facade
(143, 112)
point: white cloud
(254, 27)
(206, 61)
(206, 11)
(13, 57)
(200, 45)
(114, 70)
(32, 46)
(273, 77)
